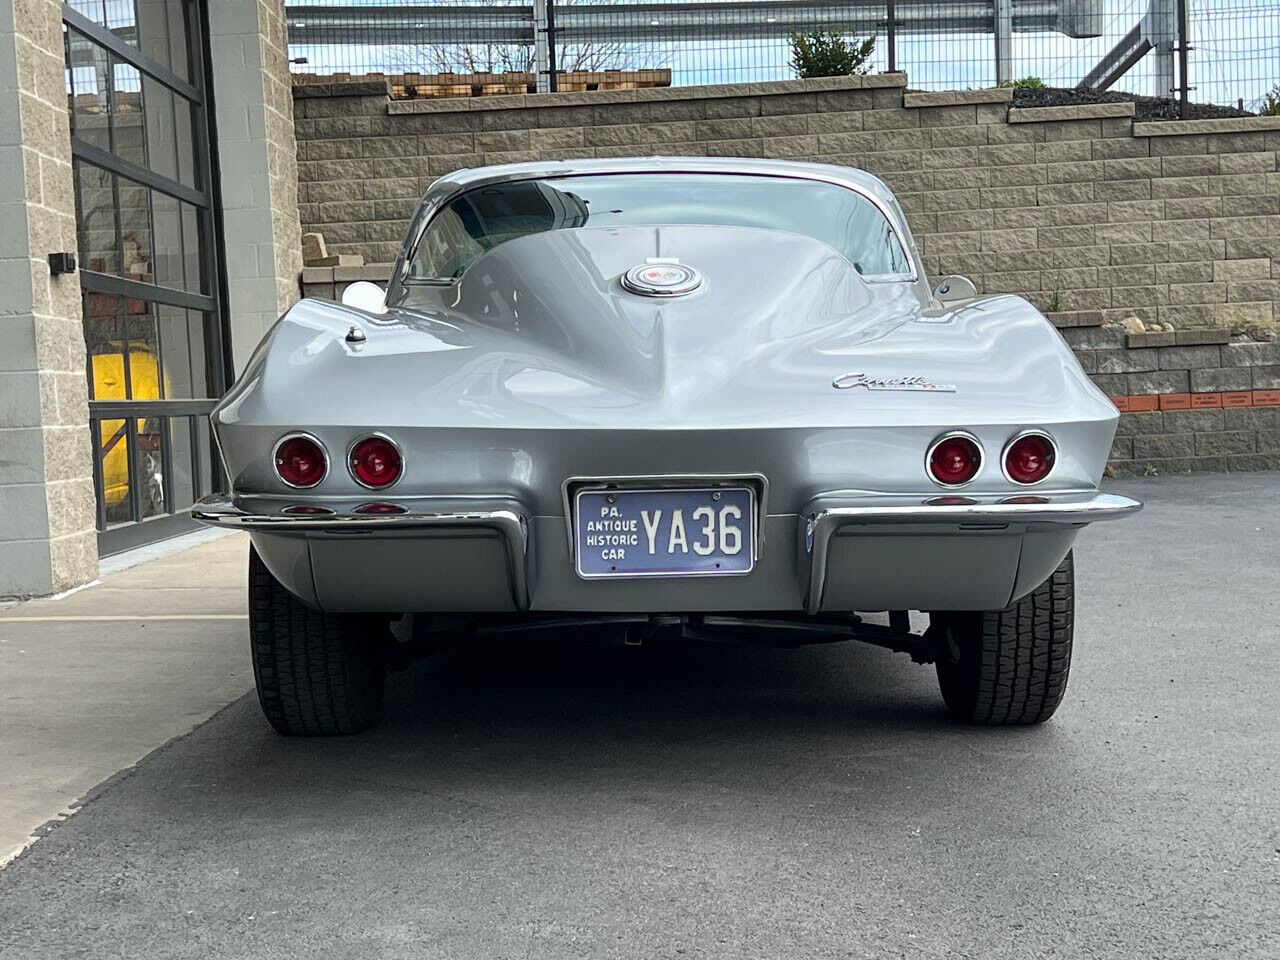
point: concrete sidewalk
(92, 682)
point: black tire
(1010, 667)
(318, 674)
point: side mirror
(954, 288)
(364, 295)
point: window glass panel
(120, 19)
(183, 352)
(178, 438)
(184, 138)
(146, 456)
(116, 15)
(159, 123)
(167, 352)
(90, 9)
(150, 451)
(104, 338)
(116, 108)
(207, 451)
(113, 461)
(169, 136)
(197, 278)
(158, 28)
(167, 224)
(123, 346)
(127, 137)
(95, 193)
(90, 103)
(145, 376)
(135, 231)
(95, 10)
(481, 219)
(158, 240)
(163, 28)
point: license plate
(670, 532)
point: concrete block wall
(256, 150)
(1076, 208)
(1191, 400)
(47, 536)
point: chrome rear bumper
(850, 552)
(412, 517)
(892, 524)
(1068, 508)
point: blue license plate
(669, 532)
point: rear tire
(1010, 667)
(318, 674)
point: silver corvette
(661, 400)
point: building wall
(1077, 208)
(256, 152)
(47, 537)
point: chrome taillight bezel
(943, 438)
(300, 435)
(351, 463)
(1022, 435)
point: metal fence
(1230, 55)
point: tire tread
(1019, 657)
(316, 674)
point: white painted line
(107, 619)
(67, 593)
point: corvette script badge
(847, 381)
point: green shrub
(1270, 103)
(825, 53)
(1026, 83)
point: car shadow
(516, 716)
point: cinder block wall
(256, 150)
(47, 537)
(1093, 217)
(1191, 400)
(1076, 208)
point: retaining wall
(1076, 208)
(1191, 400)
(1093, 217)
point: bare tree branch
(519, 58)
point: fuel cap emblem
(661, 279)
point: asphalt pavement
(558, 803)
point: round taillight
(954, 459)
(300, 461)
(375, 462)
(1029, 458)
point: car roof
(865, 182)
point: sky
(1235, 56)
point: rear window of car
(480, 219)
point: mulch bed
(1145, 108)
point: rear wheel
(317, 674)
(1009, 667)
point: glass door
(148, 240)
